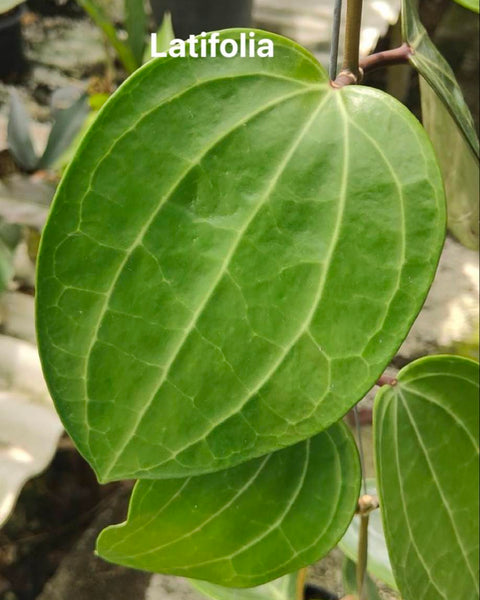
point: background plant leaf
(68, 122)
(378, 560)
(349, 578)
(426, 430)
(472, 5)
(18, 134)
(459, 167)
(431, 65)
(235, 283)
(165, 35)
(136, 26)
(102, 21)
(243, 526)
(280, 589)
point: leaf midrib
(198, 312)
(139, 238)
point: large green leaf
(426, 431)
(378, 561)
(459, 167)
(279, 589)
(233, 257)
(437, 72)
(247, 525)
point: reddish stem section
(397, 56)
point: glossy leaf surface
(247, 525)
(233, 257)
(426, 430)
(378, 561)
(280, 589)
(437, 72)
(459, 167)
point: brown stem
(386, 380)
(301, 577)
(362, 556)
(352, 37)
(388, 58)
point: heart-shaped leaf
(459, 167)
(426, 429)
(378, 561)
(233, 257)
(437, 72)
(247, 525)
(280, 589)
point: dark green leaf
(459, 167)
(243, 526)
(18, 134)
(349, 576)
(437, 72)
(136, 25)
(233, 257)
(378, 560)
(426, 430)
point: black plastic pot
(12, 60)
(314, 592)
(195, 16)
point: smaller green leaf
(472, 5)
(247, 525)
(68, 122)
(349, 576)
(279, 589)
(428, 61)
(18, 135)
(378, 561)
(136, 25)
(460, 168)
(426, 442)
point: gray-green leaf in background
(279, 589)
(244, 526)
(431, 65)
(378, 561)
(19, 139)
(68, 121)
(233, 257)
(426, 430)
(459, 167)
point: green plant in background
(69, 111)
(133, 51)
(8, 5)
(233, 257)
